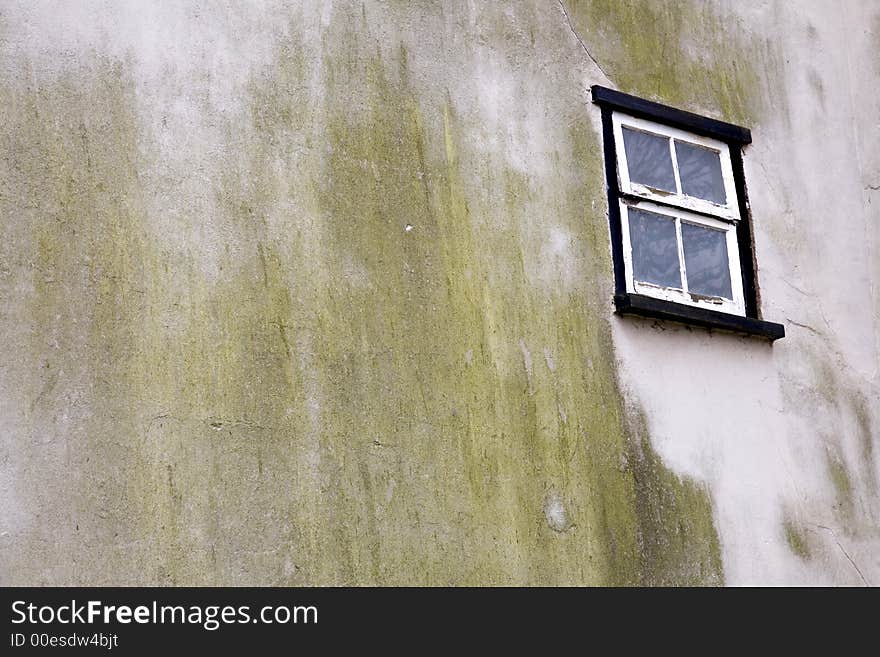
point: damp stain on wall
(343, 363)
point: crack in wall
(581, 41)
(845, 553)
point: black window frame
(628, 303)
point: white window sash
(735, 306)
(729, 212)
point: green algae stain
(840, 477)
(367, 378)
(444, 338)
(74, 217)
(678, 544)
(849, 448)
(177, 385)
(679, 53)
(797, 539)
(867, 437)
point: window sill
(643, 306)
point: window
(680, 229)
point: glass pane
(654, 248)
(705, 260)
(649, 160)
(699, 170)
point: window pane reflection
(700, 172)
(654, 248)
(649, 160)
(705, 260)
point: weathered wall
(320, 293)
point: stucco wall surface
(320, 293)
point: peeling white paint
(554, 512)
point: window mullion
(675, 166)
(681, 266)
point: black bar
(612, 186)
(744, 240)
(643, 306)
(726, 132)
(390, 619)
